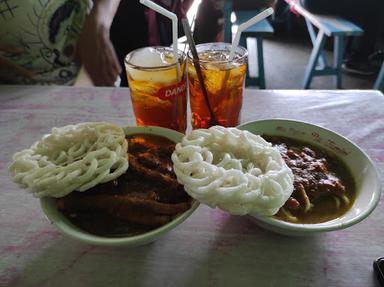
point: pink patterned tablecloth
(211, 248)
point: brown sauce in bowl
(324, 188)
(145, 197)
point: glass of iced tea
(158, 87)
(224, 83)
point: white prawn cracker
(234, 170)
(73, 157)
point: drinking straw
(196, 63)
(262, 15)
(173, 18)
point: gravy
(144, 198)
(324, 188)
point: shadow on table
(66, 262)
(238, 253)
(211, 248)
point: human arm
(95, 50)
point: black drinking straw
(192, 46)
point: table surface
(211, 248)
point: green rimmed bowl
(364, 173)
(50, 210)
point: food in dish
(73, 157)
(323, 187)
(234, 170)
(146, 196)
(243, 173)
(98, 185)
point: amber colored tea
(158, 91)
(224, 82)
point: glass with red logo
(158, 87)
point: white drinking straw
(173, 18)
(262, 15)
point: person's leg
(129, 31)
(367, 16)
(206, 24)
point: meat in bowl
(145, 197)
(93, 190)
(324, 188)
(244, 173)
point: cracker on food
(73, 157)
(234, 170)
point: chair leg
(338, 52)
(379, 84)
(260, 62)
(227, 10)
(317, 49)
(243, 43)
(322, 63)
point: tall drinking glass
(224, 83)
(158, 87)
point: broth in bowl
(350, 163)
(324, 188)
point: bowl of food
(106, 185)
(336, 184)
(291, 177)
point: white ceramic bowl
(65, 226)
(359, 164)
